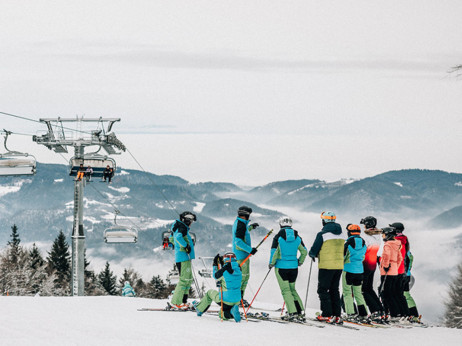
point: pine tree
(92, 287)
(453, 317)
(108, 280)
(157, 288)
(35, 257)
(13, 244)
(59, 262)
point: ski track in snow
(116, 321)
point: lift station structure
(59, 139)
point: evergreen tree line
(25, 272)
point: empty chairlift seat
(17, 165)
(120, 234)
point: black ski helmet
(390, 232)
(369, 222)
(187, 217)
(398, 225)
(244, 211)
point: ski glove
(228, 268)
(253, 226)
(386, 269)
(187, 249)
(218, 260)
(270, 266)
(254, 251)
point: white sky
(243, 91)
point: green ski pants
(212, 296)
(287, 286)
(184, 284)
(350, 294)
(245, 275)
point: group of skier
(353, 261)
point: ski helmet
(285, 221)
(390, 232)
(328, 216)
(398, 225)
(244, 211)
(187, 217)
(353, 229)
(228, 257)
(369, 222)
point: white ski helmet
(285, 221)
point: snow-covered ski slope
(116, 321)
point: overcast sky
(243, 91)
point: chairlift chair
(168, 244)
(206, 272)
(97, 162)
(120, 234)
(173, 275)
(14, 163)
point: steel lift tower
(57, 139)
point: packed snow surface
(116, 321)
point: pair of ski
(169, 308)
(266, 317)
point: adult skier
(229, 280)
(127, 290)
(286, 245)
(328, 247)
(373, 239)
(242, 245)
(407, 303)
(352, 277)
(390, 261)
(184, 253)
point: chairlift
(206, 272)
(96, 161)
(173, 275)
(14, 163)
(120, 234)
(168, 243)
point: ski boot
(195, 303)
(183, 307)
(321, 318)
(245, 302)
(300, 318)
(351, 318)
(235, 312)
(415, 319)
(377, 317)
(337, 320)
(290, 317)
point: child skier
(184, 253)
(283, 257)
(389, 264)
(328, 246)
(229, 280)
(352, 277)
(373, 239)
(128, 290)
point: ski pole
(257, 291)
(243, 308)
(195, 279)
(266, 236)
(382, 286)
(308, 286)
(282, 310)
(221, 295)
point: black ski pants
(401, 287)
(389, 286)
(328, 291)
(372, 300)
